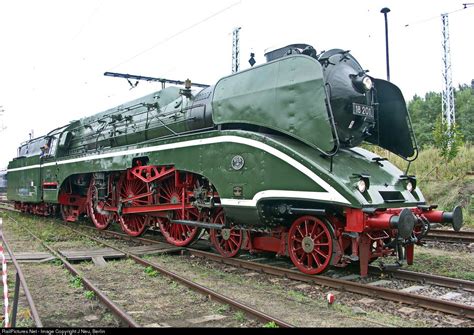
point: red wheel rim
(101, 221)
(177, 234)
(134, 224)
(310, 245)
(138, 192)
(227, 241)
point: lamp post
(386, 10)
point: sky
(54, 53)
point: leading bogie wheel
(310, 244)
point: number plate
(363, 110)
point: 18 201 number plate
(363, 110)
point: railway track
(350, 286)
(427, 302)
(450, 236)
(424, 278)
(126, 317)
(19, 281)
(340, 284)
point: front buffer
(383, 232)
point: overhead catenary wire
(177, 34)
(465, 6)
(88, 20)
(448, 103)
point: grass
(239, 316)
(89, 295)
(298, 296)
(174, 285)
(383, 319)
(57, 262)
(223, 309)
(446, 184)
(151, 272)
(270, 325)
(75, 282)
(444, 263)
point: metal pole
(386, 10)
(15, 300)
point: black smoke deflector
(393, 129)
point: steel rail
(121, 236)
(119, 312)
(389, 294)
(427, 278)
(430, 303)
(250, 311)
(378, 292)
(450, 236)
(22, 280)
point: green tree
(425, 111)
(447, 139)
(464, 99)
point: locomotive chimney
(187, 89)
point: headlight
(367, 83)
(411, 185)
(362, 83)
(362, 185)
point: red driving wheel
(134, 192)
(177, 234)
(227, 241)
(100, 220)
(310, 244)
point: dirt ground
(151, 299)
(154, 300)
(299, 304)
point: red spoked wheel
(310, 244)
(100, 220)
(69, 213)
(177, 234)
(134, 192)
(227, 241)
(134, 224)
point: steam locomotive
(265, 160)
